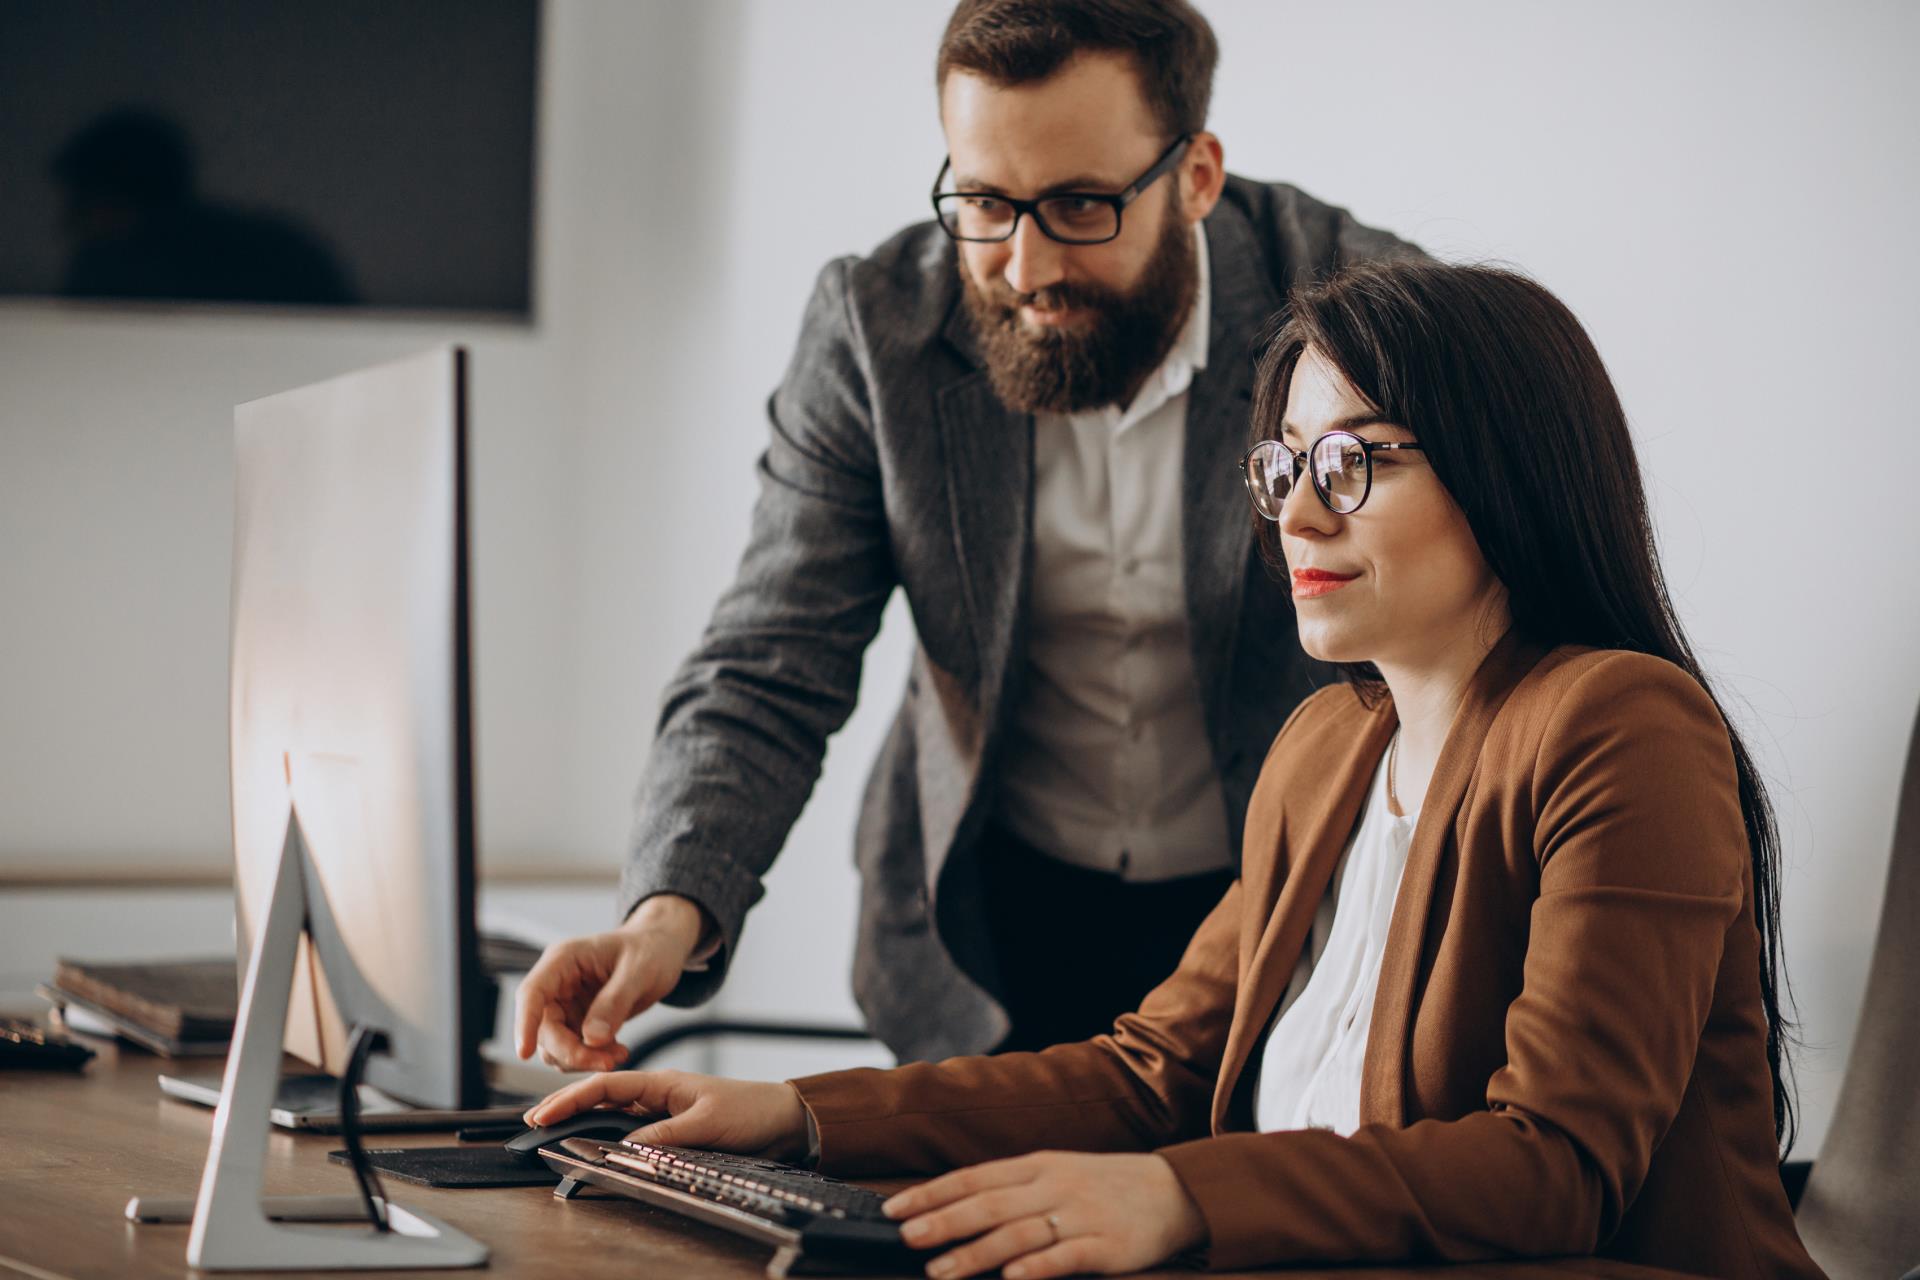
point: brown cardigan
(1568, 1048)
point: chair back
(1860, 1214)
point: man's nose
(1033, 261)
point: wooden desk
(77, 1146)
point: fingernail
(895, 1208)
(596, 1032)
(915, 1230)
(1014, 1270)
(940, 1268)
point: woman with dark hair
(1500, 976)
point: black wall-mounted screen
(357, 153)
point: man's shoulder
(902, 293)
(1299, 235)
(1259, 199)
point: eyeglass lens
(1069, 218)
(1340, 472)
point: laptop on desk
(311, 1103)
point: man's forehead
(1088, 121)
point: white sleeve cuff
(703, 954)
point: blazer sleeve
(1147, 1083)
(1643, 869)
(744, 723)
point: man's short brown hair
(1013, 42)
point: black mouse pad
(457, 1166)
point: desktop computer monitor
(350, 716)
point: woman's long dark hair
(1517, 416)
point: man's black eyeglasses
(1340, 462)
(1071, 217)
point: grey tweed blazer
(892, 464)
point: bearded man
(1026, 414)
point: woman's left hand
(1053, 1213)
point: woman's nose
(1303, 515)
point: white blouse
(1310, 1064)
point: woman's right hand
(716, 1114)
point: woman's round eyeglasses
(1340, 462)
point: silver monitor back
(350, 709)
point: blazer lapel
(1313, 834)
(987, 452)
(989, 459)
(1216, 524)
(1383, 1076)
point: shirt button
(1126, 861)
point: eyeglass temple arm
(1160, 166)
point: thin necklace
(1393, 799)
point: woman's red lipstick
(1308, 583)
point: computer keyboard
(775, 1191)
(806, 1216)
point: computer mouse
(607, 1126)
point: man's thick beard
(1061, 371)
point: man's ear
(1202, 176)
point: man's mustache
(1053, 297)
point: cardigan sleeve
(1644, 867)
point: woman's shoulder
(1574, 699)
(1582, 709)
(1583, 683)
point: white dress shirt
(1107, 761)
(1310, 1064)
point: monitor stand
(235, 1227)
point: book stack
(177, 1008)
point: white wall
(1719, 189)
